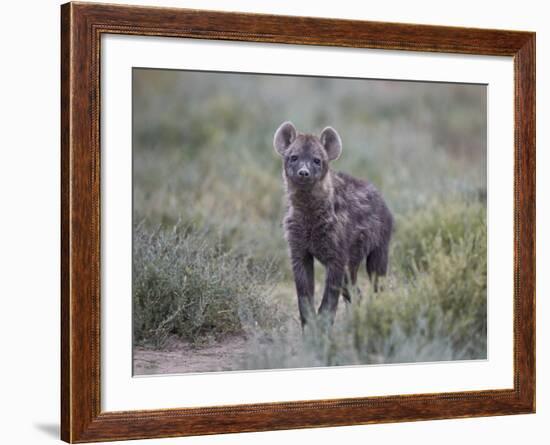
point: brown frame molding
(82, 25)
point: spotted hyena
(332, 217)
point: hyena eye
(317, 161)
(293, 158)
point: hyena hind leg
(345, 289)
(377, 265)
(351, 278)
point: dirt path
(180, 357)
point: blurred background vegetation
(210, 260)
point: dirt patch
(182, 357)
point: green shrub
(433, 306)
(185, 285)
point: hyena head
(306, 157)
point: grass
(210, 260)
(432, 308)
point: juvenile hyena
(331, 216)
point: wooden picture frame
(82, 25)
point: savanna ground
(212, 286)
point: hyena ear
(284, 136)
(332, 143)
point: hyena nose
(303, 172)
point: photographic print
(287, 221)
(310, 243)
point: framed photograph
(274, 222)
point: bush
(433, 306)
(187, 286)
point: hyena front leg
(302, 268)
(333, 287)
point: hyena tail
(377, 264)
